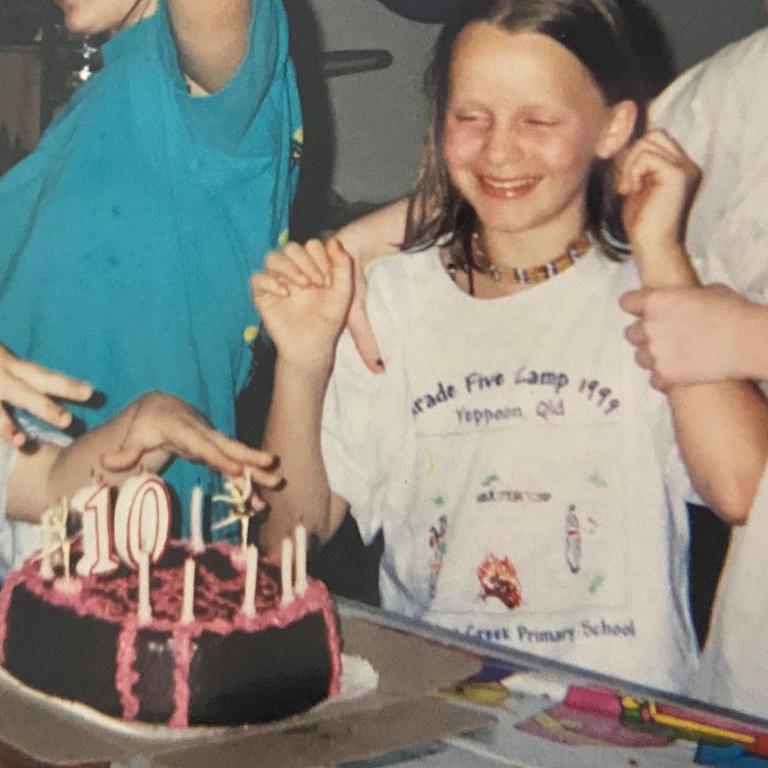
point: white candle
(251, 573)
(188, 602)
(286, 572)
(196, 519)
(46, 561)
(145, 607)
(300, 534)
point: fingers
(51, 382)
(19, 393)
(341, 265)
(634, 301)
(261, 466)
(122, 460)
(635, 334)
(299, 265)
(10, 434)
(264, 284)
(32, 387)
(653, 154)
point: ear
(618, 129)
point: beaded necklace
(530, 275)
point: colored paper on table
(578, 727)
(728, 757)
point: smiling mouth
(506, 188)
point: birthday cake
(213, 650)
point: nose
(503, 145)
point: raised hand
(305, 321)
(658, 182)
(695, 335)
(33, 388)
(160, 426)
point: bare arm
(152, 431)
(375, 235)
(212, 39)
(304, 324)
(721, 428)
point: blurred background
(360, 64)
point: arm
(721, 428)
(212, 38)
(152, 430)
(304, 324)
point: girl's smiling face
(524, 122)
(96, 16)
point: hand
(305, 320)
(32, 387)
(690, 335)
(658, 182)
(308, 266)
(161, 425)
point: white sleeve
(362, 420)
(718, 115)
(733, 668)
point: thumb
(124, 458)
(634, 301)
(341, 265)
(362, 334)
(357, 319)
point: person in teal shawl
(129, 235)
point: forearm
(376, 234)
(722, 431)
(293, 435)
(212, 38)
(751, 340)
(671, 269)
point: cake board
(400, 712)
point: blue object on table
(728, 757)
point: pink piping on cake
(126, 676)
(182, 654)
(13, 580)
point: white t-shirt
(734, 670)
(525, 475)
(718, 111)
